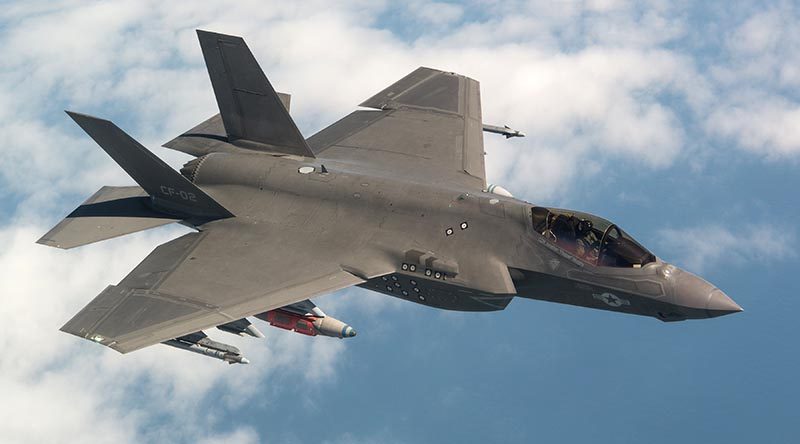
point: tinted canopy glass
(590, 238)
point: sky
(678, 120)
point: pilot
(586, 240)
(563, 231)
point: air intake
(189, 169)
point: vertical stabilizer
(251, 109)
(169, 191)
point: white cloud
(75, 388)
(710, 246)
(758, 107)
(580, 110)
(241, 436)
(436, 13)
(760, 33)
(601, 101)
(768, 126)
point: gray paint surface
(393, 200)
(108, 213)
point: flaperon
(392, 199)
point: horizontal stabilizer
(210, 136)
(207, 137)
(251, 109)
(169, 191)
(110, 212)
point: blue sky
(679, 122)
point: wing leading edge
(428, 127)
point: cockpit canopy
(590, 238)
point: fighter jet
(392, 198)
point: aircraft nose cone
(720, 304)
(700, 298)
(349, 332)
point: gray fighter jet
(392, 199)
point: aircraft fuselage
(452, 249)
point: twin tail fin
(163, 195)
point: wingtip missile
(504, 130)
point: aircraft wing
(205, 279)
(428, 128)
